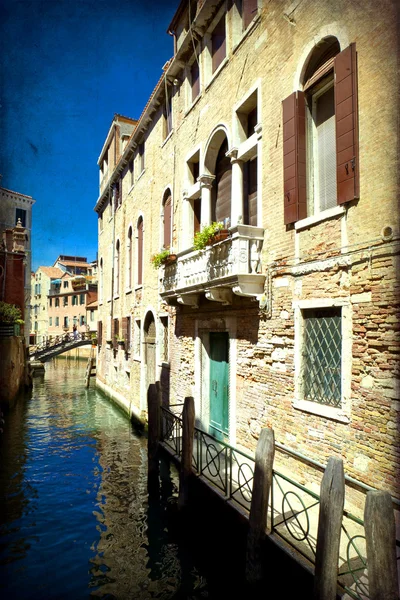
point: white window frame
(342, 414)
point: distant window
(249, 11)
(74, 300)
(141, 157)
(116, 268)
(57, 321)
(82, 320)
(195, 79)
(65, 300)
(65, 321)
(131, 172)
(92, 315)
(50, 321)
(57, 302)
(167, 114)
(218, 44)
(167, 217)
(129, 250)
(20, 213)
(164, 341)
(50, 301)
(82, 299)
(140, 252)
(65, 284)
(136, 338)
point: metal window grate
(322, 356)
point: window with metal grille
(20, 213)
(165, 348)
(322, 355)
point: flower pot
(170, 259)
(220, 236)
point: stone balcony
(232, 266)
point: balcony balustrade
(232, 266)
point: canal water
(75, 517)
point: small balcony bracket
(189, 300)
(223, 295)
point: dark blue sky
(66, 66)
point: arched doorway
(150, 350)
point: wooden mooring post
(188, 419)
(262, 481)
(90, 371)
(153, 413)
(380, 534)
(329, 530)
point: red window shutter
(167, 222)
(294, 158)
(347, 171)
(218, 43)
(140, 252)
(249, 11)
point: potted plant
(210, 234)
(10, 319)
(164, 257)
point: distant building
(41, 282)
(16, 207)
(60, 294)
(68, 298)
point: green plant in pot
(161, 258)
(10, 314)
(206, 236)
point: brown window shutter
(196, 215)
(99, 332)
(167, 222)
(347, 171)
(140, 252)
(250, 193)
(112, 330)
(223, 184)
(249, 11)
(218, 43)
(294, 158)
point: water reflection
(75, 517)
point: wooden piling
(153, 412)
(380, 534)
(329, 530)
(262, 481)
(188, 419)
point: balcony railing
(230, 266)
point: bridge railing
(60, 341)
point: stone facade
(333, 263)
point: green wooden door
(219, 384)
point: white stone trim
(319, 217)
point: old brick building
(279, 120)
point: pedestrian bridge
(60, 344)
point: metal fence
(294, 509)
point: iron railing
(294, 509)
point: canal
(75, 517)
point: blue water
(75, 517)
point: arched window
(129, 251)
(116, 268)
(222, 186)
(320, 133)
(167, 218)
(140, 251)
